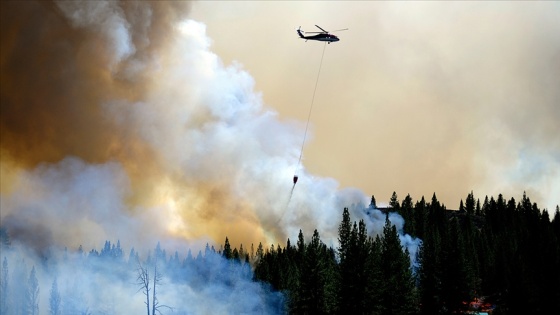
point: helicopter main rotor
(324, 31)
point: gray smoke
(179, 146)
(120, 123)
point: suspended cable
(309, 115)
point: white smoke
(103, 17)
(99, 284)
(208, 128)
(222, 159)
(73, 203)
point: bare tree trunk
(154, 299)
(143, 281)
(145, 286)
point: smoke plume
(118, 122)
(417, 97)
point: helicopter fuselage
(323, 37)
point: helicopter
(323, 36)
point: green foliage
(394, 202)
(407, 212)
(354, 275)
(502, 252)
(316, 294)
(369, 277)
(373, 203)
(398, 293)
(227, 250)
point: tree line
(499, 256)
(112, 282)
(496, 255)
(364, 275)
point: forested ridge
(496, 255)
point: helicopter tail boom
(299, 32)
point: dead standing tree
(144, 282)
(157, 280)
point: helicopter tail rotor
(299, 31)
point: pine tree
(118, 252)
(398, 295)
(241, 252)
(375, 280)
(485, 206)
(33, 293)
(353, 271)
(19, 290)
(344, 231)
(55, 300)
(346, 296)
(300, 246)
(331, 279)
(262, 263)
(235, 255)
(394, 202)
(227, 250)
(455, 270)
(291, 273)
(260, 252)
(470, 203)
(312, 279)
(4, 288)
(4, 239)
(407, 212)
(429, 273)
(420, 217)
(373, 203)
(477, 210)
(556, 223)
(347, 237)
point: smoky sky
(416, 97)
(60, 64)
(120, 122)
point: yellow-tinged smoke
(417, 97)
(118, 122)
(64, 67)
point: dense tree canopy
(499, 255)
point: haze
(416, 98)
(180, 122)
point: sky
(416, 98)
(183, 121)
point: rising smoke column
(62, 61)
(119, 122)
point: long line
(311, 107)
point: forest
(496, 256)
